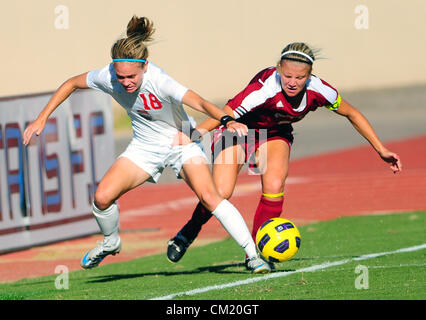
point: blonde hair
(134, 46)
(299, 51)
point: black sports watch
(225, 119)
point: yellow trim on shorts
(273, 195)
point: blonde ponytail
(134, 46)
(140, 27)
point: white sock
(108, 220)
(234, 224)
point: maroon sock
(266, 210)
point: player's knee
(224, 192)
(103, 199)
(273, 186)
(210, 199)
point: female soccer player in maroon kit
(274, 99)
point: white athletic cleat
(98, 253)
(258, 265)
(270, 264)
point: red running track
(323, 187)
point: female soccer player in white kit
(153, 100)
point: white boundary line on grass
(287, 273)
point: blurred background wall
(215, 47)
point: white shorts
(154, 158)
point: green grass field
(343, 242)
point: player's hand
(393, 159)
(35, 127)
(237, 127)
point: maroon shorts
(223, 139)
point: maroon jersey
(263, 105)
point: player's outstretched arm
(196, 102)
(63, 92)
(361, 124)
(210, 123)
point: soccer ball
(278, 239)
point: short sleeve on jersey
(100, 79)
(173, 89)
(336, 104)
(329, 95)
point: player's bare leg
(225, 172)
(273, 160)
(198, 177)
(123, 176)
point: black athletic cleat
(176, 248)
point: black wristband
(225, 119)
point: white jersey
(155, 108)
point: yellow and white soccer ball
(278, 239)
